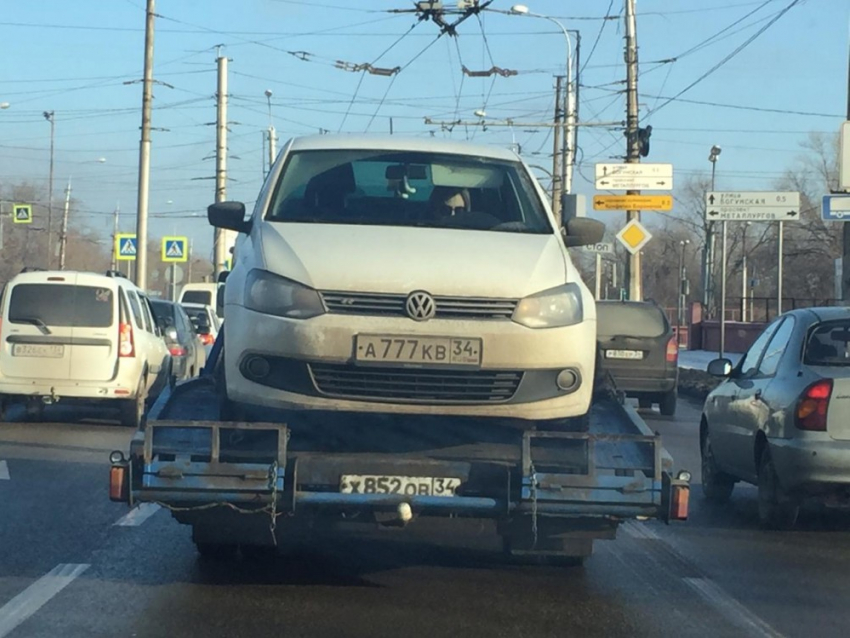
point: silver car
(781, 420)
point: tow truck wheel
(776, 509)
(216, 551)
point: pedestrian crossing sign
(175, 249)
(22, 213)
(126, 247)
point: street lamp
(712, 157)
(4, 105)
(570, 124)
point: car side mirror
(720, 368)
(229, 215)
(581, 231)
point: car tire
(132, 411)
(717, 486)
(667, 405)
(644, 403)
(776, 509)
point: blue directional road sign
(126, 247)
(175, 249)
(835, 208)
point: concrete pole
(114, 263)
(50, 117)
(635, 275)
(779, 266)
(272, 146)
(598, 276)
(63, 232)
(145, 154)
(219, 239)
(723, 293)
(557, 172)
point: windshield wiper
(35, 321)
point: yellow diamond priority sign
(634, 236)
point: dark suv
(637, 346)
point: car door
(725, 404)
(94, 349)
(755, 402)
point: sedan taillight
(812, 406)
(207, 339)
(177, 350)
(672, 350)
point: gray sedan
(781, 420)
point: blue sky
(80, 59)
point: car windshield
(827, 344)
(631, 319)
(396, 188)
(58, 305)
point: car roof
(822, 313)
(400, 143)
(82, 277)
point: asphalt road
(67, 569)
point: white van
(81, 337)
(205, 295)
(408, 276)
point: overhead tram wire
(727, 58)
(598, 37)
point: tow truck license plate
(623, 354)
(404, 485)
(437, 351)
(45, 351)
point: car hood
(398, 260)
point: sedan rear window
(827, 344)
(203, 297)
(57, 305)
(630, 319)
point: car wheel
(644, 403)
(667, 405)
(776, 509)
(716, 485)
(133, 410)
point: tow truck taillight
(672, 350)
(126, 346)
(812, 406)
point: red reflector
(679, 502)
(118, 487)
(125, 392)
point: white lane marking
(36, 595)
(731, 609)
(137, 515)
(4, 471)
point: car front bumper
(328, 340)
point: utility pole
(272, 136)
(49, 116)
(220, 236)
(145, 155)
(845, 262)
(114, 264)
(63, 233)
(557, 164)
(634, 274)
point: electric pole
(114, 264)
(49, 116)
(272, 135)
(557, 163)
(63, 232)
(633, 266)
(145, 155)
(845, 261)
(220, 242)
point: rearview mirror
(229, 215)
(720, 368)
(581, 231)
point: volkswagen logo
(420, 306)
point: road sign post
(602, 248)
(625, 177)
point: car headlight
(281, 297)
(552, 308)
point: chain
(273, 511)
(533, 507)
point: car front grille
(405, 385)
(393, 305)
